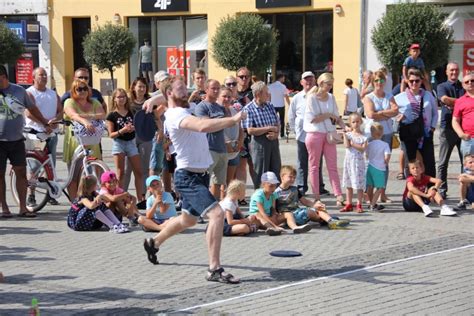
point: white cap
(270, 177)
(307, 74)
(161, 75)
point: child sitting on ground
(116, 199)
(160, 208)
(263, 205)
(289, 198)
(378, 155)
(88, 211)
(418, 194)
(235, 224)
(466, 183)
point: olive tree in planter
(11, 46)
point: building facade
(314, 35)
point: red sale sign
(24, 71)
(175, 61)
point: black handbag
(414, 130)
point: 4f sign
(165, 5)
(162, 4)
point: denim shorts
(301, 216)
(156, 157)
(234, 162)
(127, 147)
(194, 190)
(467, 147)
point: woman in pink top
(320, 118)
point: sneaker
(133, 221)
(323, 192)
(338, 223)
(31, 201)
(302, 229)
(115, 229)
(123, 228)
(447, 211)
(427, 210)
(149, 245)
(462, 204)
(272, 232)
(376, 207)
(53, 201)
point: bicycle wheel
(95, 168)
(34, 171)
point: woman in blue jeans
(411, 103)
(380, 107)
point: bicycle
(41, 173)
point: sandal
(27, 215)
(340, 202)
(219, 275)
(347, 208)
(359, 208)
(149, 245)
(401, 176)
(243, 203)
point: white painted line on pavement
(324, 278)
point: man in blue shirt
(448, 92)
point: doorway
(80, 28)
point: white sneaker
(123, 228)
(115, 229)
(447, 211)
(427, 210)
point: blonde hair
(234, 187)
(327, 76)
(287, 169)
(113, 105)
(376, 130)
(87, 185)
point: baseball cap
(415, 46)
(150, 179)
(108, 176)
(270, 177)
(307, 74)
(161, 75)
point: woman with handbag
(418, 118)
(320, 118)
(380, 107)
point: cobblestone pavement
(386, 263)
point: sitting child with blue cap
(160, 208)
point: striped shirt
(260, 116)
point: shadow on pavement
(5, 230)
(27, 278)
(20, 254)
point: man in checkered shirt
(263, 124)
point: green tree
(409, 22)
(108, 47)
(245, 40)
(11, 46)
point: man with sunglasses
(448, 92)
(83, 74)
(463, 116)
(243, 86)
(14, 99)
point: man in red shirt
(463, 116)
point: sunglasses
(469, 81)
(414, 81)
(231, 84)
(243, 77)
(379, 80)
(83, 78)
(82, 89)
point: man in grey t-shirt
(13, 101)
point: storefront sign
(19, 28)
(24, 70)
(262, 4)
(165, 5)
(33, 32)
(468, 51)
(175, 61)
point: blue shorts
(156, 157)
(470, 193)
(146, 67)
(301, 216)
(127, 147)
(194, 190)
(375, 178)
(410, 206)
(159, 221)
(234, 162)
(228, 228)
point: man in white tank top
(49, 104)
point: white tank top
(47, 103)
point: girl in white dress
(354, 163)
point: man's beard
(180, 102)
